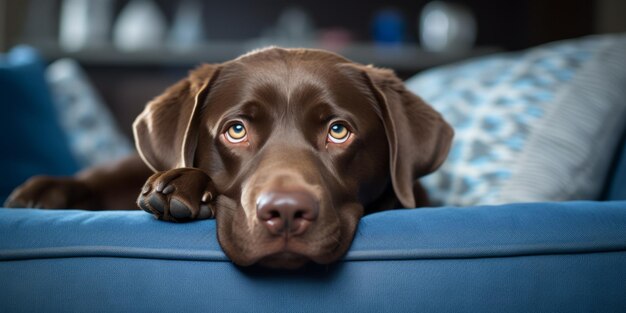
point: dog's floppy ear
(166, 132)
(419, 138)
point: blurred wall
(126, 87)
(11, 21)
(511, 24)
(610, 16)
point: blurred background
(132, 49)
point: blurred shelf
(404, 58)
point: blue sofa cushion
(489, 231)
(31, 134)
(547, 257)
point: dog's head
(304, 141)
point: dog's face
(304, 141)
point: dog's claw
(207, 196)
(167, 190)
(146, 188)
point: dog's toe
(179, 209)
(205, 212)
(155, 200)
(143, 204)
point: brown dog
(286, 148)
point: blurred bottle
(446, 27)
(84, 23)
(188, 29)
(389, 28)
(141, 25)
(41, 22)
(335, 38)
(294, 27)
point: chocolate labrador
(286, 148)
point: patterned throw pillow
(494, 103)
(92, 133)
(568, 155)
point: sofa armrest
(568, 256)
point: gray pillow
(569, 152)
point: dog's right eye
(338, 133)
(236, 133)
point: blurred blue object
(33, 140)
(187, 29)
(389, 28)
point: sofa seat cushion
(485, 231)
(542, 257)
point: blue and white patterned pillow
(92, 133)
(493, 103)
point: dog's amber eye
(338, 133)
(236, 133)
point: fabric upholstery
(33, 141)
(615, 186)
(523, 257)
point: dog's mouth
(284, 260)
(296, 252)
(289, 253)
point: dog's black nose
(290, 212)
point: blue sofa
(542, 257)
(527, 257)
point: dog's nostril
(274, 214)
(282, 211)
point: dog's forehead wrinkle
(288, 77)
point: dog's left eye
(236, 133)
(338, 133)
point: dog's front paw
(45, 192)
(179, 195)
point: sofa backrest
(615, 187)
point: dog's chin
(281, 255)
(284, 260)
(288, 258)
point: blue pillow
(32, 139)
